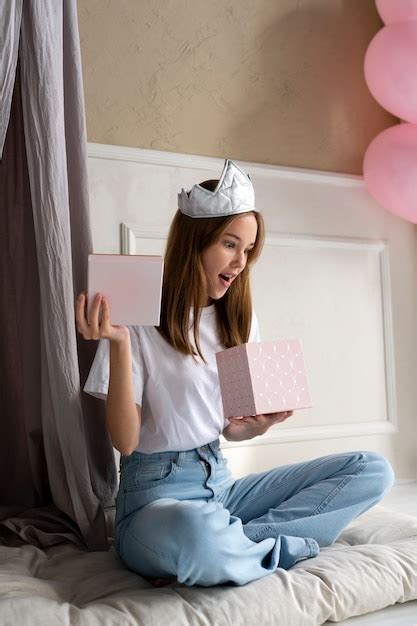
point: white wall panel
(337, 271)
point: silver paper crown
(234, 194)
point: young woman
(179, 511)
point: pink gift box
(263, 377)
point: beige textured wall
(272, 81)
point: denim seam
(312, 545)
(259, 534)
(150, 484)
(128, 531)
(336, 490)
(287, 480)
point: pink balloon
(390, 170)
(390, 69)
(397, 10)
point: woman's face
(226, 258)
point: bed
(372, 565)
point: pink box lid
(132, 284)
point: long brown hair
(185, 282)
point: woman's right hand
(97, 329)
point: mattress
(373, 564)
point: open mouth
(225, 280)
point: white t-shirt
(180, 399)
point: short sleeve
(97, 383)
(254, 334)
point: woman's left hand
(254, 425)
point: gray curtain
(57, 470)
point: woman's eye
(229, 244)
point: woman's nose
(240, 259)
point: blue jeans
(183, 514)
